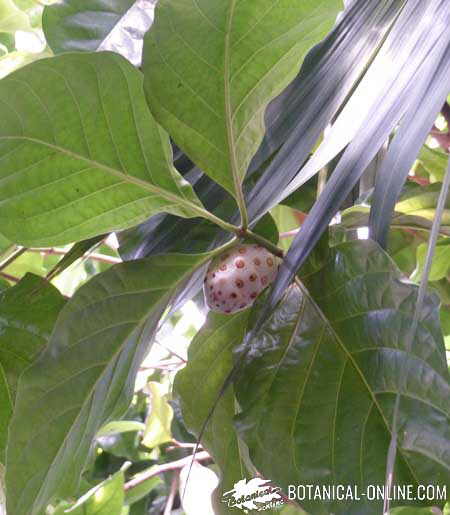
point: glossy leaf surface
(319, 382)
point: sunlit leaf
(96, 164)
(249, 51)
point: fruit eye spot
(242, 250)
(223, 267)
(219, 293)
(233, 295)
(253, 277)
(257, 261)
(264, 279)
(239, 283)
(270, 261)
(253, 295)
(242, 306)
(239, 263)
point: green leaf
(286, 221)
(318, 387)
(141, 490)
(28, 312)
(107, 498)
(434, 161)
(12, 18)
(441, 261)
(249, 51)
(159, 419)
(120, 426)
(198, 385)
(95, 164)
(414, 511)
(77, 251)
(86, 376)
(117, 25)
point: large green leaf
(86, 376)
(75, 132)
(248, 51)
(117, 25)
(198, 386)
(320, 380)
(28, 312)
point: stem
(250, 235)
(94, 256)
(165, 467)
(321, 181)
(172, 494)
(12, 258)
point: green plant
(299, 127)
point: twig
(94, 256)
(172, 493)
(12, 258)
(250, 235)
(183, 445)
(165, 467)
(170, 351)
(9, 277)
(289, 234)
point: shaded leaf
(116, 25)
(96, 164)
(198, 385)
(77, 251)
(320, 380)
(367, 120)
(120, 426)
(249, 52)
(86, 376)
(28, 312)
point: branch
(172, 494)
(165, 467)
(94, 256)
(9, 277)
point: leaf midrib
(141, 321)
(229, 117)
(117, 173)
(356, 368)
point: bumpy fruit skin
(234, 279)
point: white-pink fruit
(235, 278)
